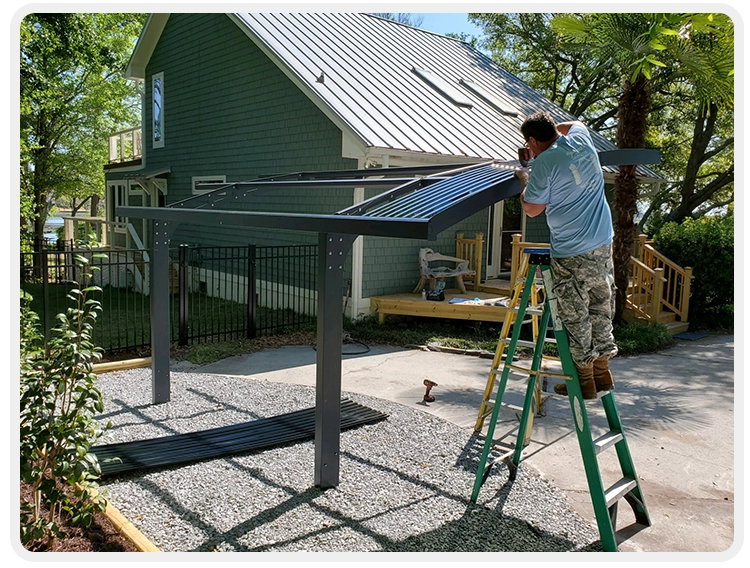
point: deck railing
(517, 255)
(652, 275)
(473, 251)
(647, 266)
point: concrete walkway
(677, 408)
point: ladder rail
(481, 472)
(523, 283)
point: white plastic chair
(461, 269)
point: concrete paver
(677, 408)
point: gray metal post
(160, 328)
(332, 252)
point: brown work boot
(586, 380)
(602, 374)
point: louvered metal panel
(116, 459)
(442, 195)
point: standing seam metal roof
(368, 82)
(369, 89)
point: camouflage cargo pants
(585, 290)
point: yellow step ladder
(534, 310)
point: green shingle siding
(228, 110)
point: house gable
(229, 111)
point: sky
(444, 23)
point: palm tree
(677, 46)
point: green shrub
(640, 337)
(57, 400)
(706, 245)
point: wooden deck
(491, 307)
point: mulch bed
(101, 536)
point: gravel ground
(405, 482)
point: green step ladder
(604, 500)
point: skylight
(488, 97)
(444, 88)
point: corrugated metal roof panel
(360, 68)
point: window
(158, 109)
(197, 180)
(444, 88)
(493, 101)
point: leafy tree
(698, 162)
(526, 45)
(72, 95)
(637, 45)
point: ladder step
(490, 404)
(540, 373)
(532, 311)
(506, 453)
(521, 342)
(529, 344)
(607, 441)
(619, 490)
(517, 374)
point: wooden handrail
(517, 254)
(676, 291)
(645, 285)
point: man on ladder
(567, 182)
(577, 276)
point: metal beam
(629, 157)
(346, 224)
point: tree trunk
(632, 114)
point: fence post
(43, 260)
(252, 328)
(182, 318)
(515, 259)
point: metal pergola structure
(416, 202)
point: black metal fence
(216, 293)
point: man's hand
(523, 175)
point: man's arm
(531, 209)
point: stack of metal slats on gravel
(115, 459)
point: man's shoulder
(579, 127)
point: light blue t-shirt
(567, 177)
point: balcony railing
(126, 146)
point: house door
(506, 219)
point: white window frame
(158, 77)
(206, 179)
